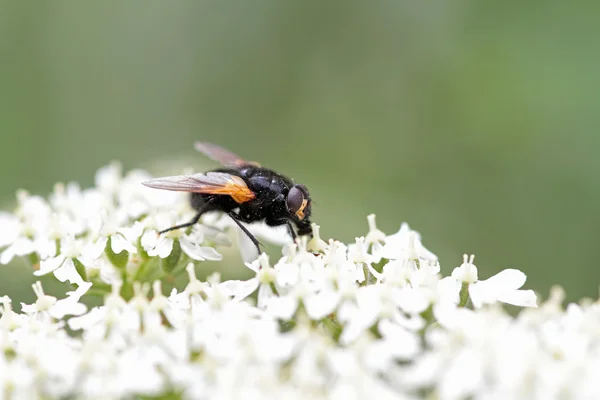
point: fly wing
(221, 155)
(210, 183)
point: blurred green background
(475, 122)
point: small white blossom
(467, 272)
(265, 277)
(197, 252)
(57, 308)
(63, 265)
(406, 246)
(157, 245)
(375, 238)
(316, 243)
(503, 287)
(10, 228)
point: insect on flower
(243, 190)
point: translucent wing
(210, 183)
(221, 155)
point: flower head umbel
(374, 318)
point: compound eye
(296, 202)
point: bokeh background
(475, 122)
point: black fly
(257, 193)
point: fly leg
(237, 219)
(291, 230)
(193, 221)
(286, 222)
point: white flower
(162, 245)
(358, 254)
(375, 238)
(397, 343)
(9, 320)
(321, 304)
(361, 315)
(323, 322)
(156, 245)
(20, 247)
(406, 246)
(20, 232)
(503, 287)
(316, 243)
(121, 238)
(57, 308)
(197, 252)
(194, 287)
(160, 303)
(63, 265)
(33, 212)
(108, 178)
(9, 228)
(467, 271)
(265, 277)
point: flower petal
(411, 301)
(95, 250)
(49, 265)
(507, 280)
(241, 289)
(448, 290)
(21, 247)
(199, 253)
(320, 305)
(118, 243)
(264, 294)
(10, 228)
(490, 290)
(523, 298)
(282, 307)
(210, 253)
(162, 248)
(67, 272)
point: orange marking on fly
(239, 191)
(300, 212)
(211, 183)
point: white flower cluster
(372, 319)
(104, 234)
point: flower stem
(464, 295)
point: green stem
(333, 327)
(464, 295)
